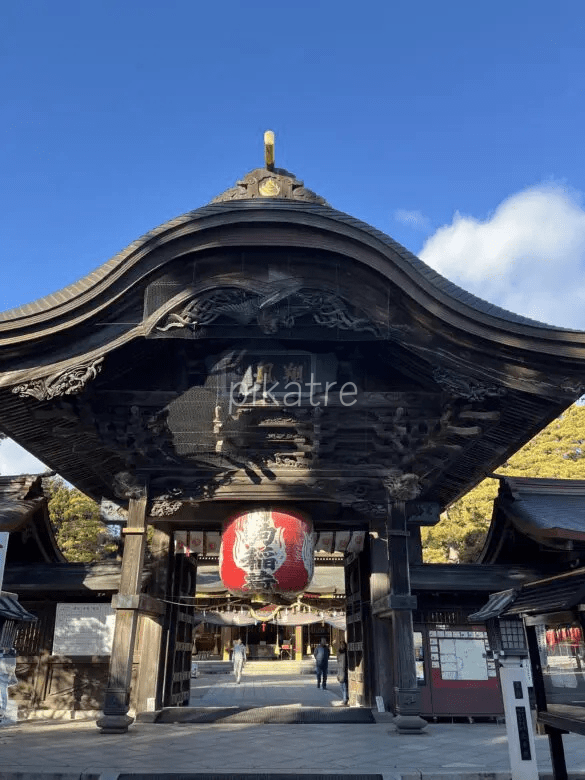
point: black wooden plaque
(523, 733)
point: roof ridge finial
(269, 182)
(269, 150)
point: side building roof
(532, 516)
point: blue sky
(457, 128)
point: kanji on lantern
(266, 552)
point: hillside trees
(558, 452)
(81, 535)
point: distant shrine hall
(280, 396)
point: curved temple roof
(239, 209)
(269, 261)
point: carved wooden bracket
(403, 487)
(127, 485)
(68, 382)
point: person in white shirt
(239, 659)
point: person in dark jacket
(342, 670)
(322, 662)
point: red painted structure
(267, 551)
(454, 676)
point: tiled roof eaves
(551, 594)
(435, 281)
(531, 485)
(20, 486)
(11, 609)
(559, 516)
(496, 605)
(443, 284)
(555, 594)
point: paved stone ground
(262, 690)
(37, 750)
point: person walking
(239, 659)
(322, 662)
(342, 670)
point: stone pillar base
(114, 724)
(410, 724)
(408, 708)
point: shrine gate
(266, 351)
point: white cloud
(14, 460)
(528, 257)
(415, 219)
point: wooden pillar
(299, 643)
(115, 717)
(360, 649)
(536, 664)
(393, 600)
(226, 642)
(145, 699)
(557, 753)
(555, 736)
(382, 675)
(179, 629)
(414, 544)
(407, 697)
(150, 683)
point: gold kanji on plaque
(293, 372)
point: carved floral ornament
(167, 504)
(270, 310)
(165, 508)
(472, 390)
(370, 508)
(464, 387)
(68, 382)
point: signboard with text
(83, 629)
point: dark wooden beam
(115, 717)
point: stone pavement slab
(458, 751)
(262, 690)
(43, 750)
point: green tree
(460, 534)
(557, 452)
(81, 535)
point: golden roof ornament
(269, 150)
(270, 182)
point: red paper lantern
(267, 552)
